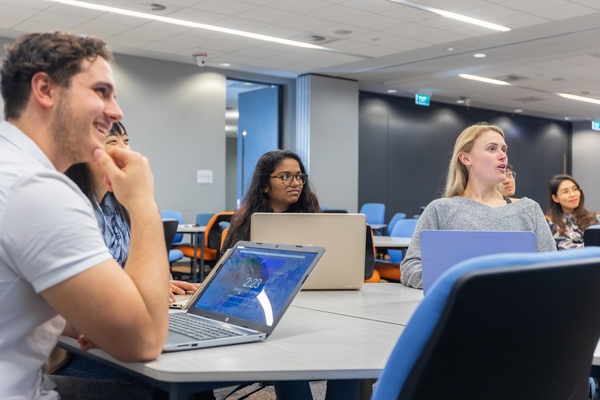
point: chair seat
(188, 251)
(175, 255)
(375, 278)
(388, 270)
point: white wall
(586, 162)
(333, 142)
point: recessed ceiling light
(342, 32)
(225, 65)
(460, 101)
(567, 118)
(449, 49)
(452, 15)
(579, 98)
(482, 79)
(479, 55)
(518, 110)
(248, 83)
(392, 91)
(189, 24)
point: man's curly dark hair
(57, 54)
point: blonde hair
(458, 176)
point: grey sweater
(462, 214)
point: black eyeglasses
(288, 179)
(513, 174)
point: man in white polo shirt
(59, 102)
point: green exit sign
(596, 125)
(422, 100)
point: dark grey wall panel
(405, 150)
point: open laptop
(441, 250)
(343, 235)
(244, 297)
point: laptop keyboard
(197, 329)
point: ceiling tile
(68, 21)
(123, 19)
(185, 3)
(77, 11)
(7, 23)
(442, 23)
(194, 50)
(455, 5)
(441, 37)
(121, 40)
(207, 34)
(472, 30)
(406, 44)
(34, 26)
(533, 5)
(374, 6)
(257, 52)
(589, 3)
(169, 48)
(340, 13)
(203, 17)
(346, 45)
(163, 26)
(375, 51)
(268, 15)
(521, 21)
(564, 12)
(411, 30)
(490, 13)
(306, 23)
(183, 39)
(278, 31)
(234, 58)
(221, 45)
(144, 33)
(34, 4)
(406, 13)
(17, 12)
(239, 24)
(300, 7)
(376, 22)
(228, 7)
(258, 2)
(103, 26)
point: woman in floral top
(568, 218)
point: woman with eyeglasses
(472, 201)
(508, 187)
(567, 213)
(280, 184)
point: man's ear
(464, 158)
(42, 90)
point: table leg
(195, 260)
(202, 259)
(177, 392)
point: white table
(318, 338)
(391, 243)
(195, 232)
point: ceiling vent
(314, 38)
(151, 7)
(529, 99)
(512, 78)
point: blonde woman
(472, 201)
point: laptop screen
(255, 284)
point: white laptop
(343, 235)
(244, 297)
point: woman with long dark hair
(568, 216)
(280, 184)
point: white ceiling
(553, 45)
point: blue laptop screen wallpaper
(255, 284)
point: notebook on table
(441, 250)
(244, 297)
(343, 235)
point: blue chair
(508, 326)
(203, 219)
(375, 213)
(403, 228)
(416, 216)
(397, 217)
(166, 214)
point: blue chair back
(397, 217)
(173, 215)
(375, 213)
(202, 219)
(503, 326)
(403, 228)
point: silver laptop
(440, 250)
(244, 298)
(343, 235)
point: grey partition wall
(404, 150)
